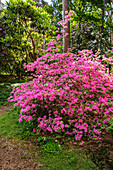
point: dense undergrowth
(5, 91)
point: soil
(14, 157)
(4, 109)
(101, 152)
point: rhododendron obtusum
(70, 94)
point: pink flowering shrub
(70, 94)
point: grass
(65, 159)
(9, 126)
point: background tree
(66, 39)
(24, 30)
(57, 10)
(90, 13)
(103, 13)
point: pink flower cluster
(70, 94)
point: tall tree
(103, 12)
(89, 12)
(0, 5)
(22, 28)
(112, 22)
(109, 11)
(66, 39)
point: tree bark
(66, 39)
(0, 5)
(103, 12)
(111, 21)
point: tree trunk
(112, 22)
(103, 12)
(66, 39)
(110, 15)
(0, 5)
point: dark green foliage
(5, 92)
(6, 88)
(100, 156)
(87, 36)
(110, 128)
(88, 16)
(52, 147)
(57, 5)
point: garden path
(4, 109)
(14, 156)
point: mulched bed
(14, 157)
(101, 152)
